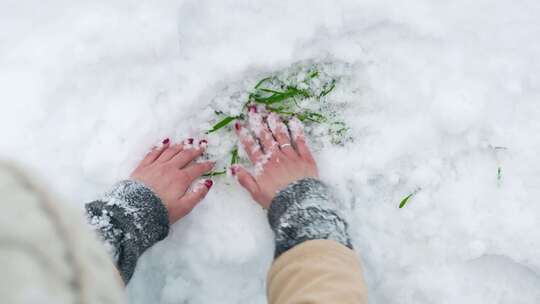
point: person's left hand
(170, 170)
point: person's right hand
(278, 159)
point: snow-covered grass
(433, 89)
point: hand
(170, 170)
(278, 160)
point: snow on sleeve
(306, 210)
(130, 218)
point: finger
(281, 133)
(186, 203)
(169, 153)
(194, 171)
(297, 133)
(250, 145)
(189, 153)
(260, 129)
(246, 180)
(153, 155)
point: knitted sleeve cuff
(130, 218)
(306, 210)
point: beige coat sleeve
(47, 253)
(317, 271)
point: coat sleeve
(314, 261)
(47, 254)
(130, 219)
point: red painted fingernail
(190, 141)
(252, 108)
(237, 125)
(208, 183)
(166, 141)
(233, 170)
(203, 142)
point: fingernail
(237, 125)
(252, 108)
(233, 170)
(190, 141)
(203, 142)
(208, 183)
(166, 141)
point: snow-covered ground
(440, 95)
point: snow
(432, 87)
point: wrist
(306, 210)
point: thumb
(186, 203)
(246, 180)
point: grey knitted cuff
(306, 210)
(130, 218)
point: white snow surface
(87, 87)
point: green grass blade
(274, 98)
(262, 81)
(234, 156)
(312, 116)
(277, 96)
(328, 90)
(405, 200)
(214, 173)
(271, 91)
(280, 110)
(298, 92)
(222, 123)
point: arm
(136, 213)
(314, 256)
(130, 219)
(314, 261)
(306, 210)
(47, 255)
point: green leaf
(234, 156)
(277, 96)
(300, 92)
(214, 173)
(341, 131)
(222, 123)
(313, 74)
(312, 116)
(274, 98)
(280, 110)
(262, 81)
(338, 127)
(271, 91)
(339, 123)
(405, 200)
(328, 90)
